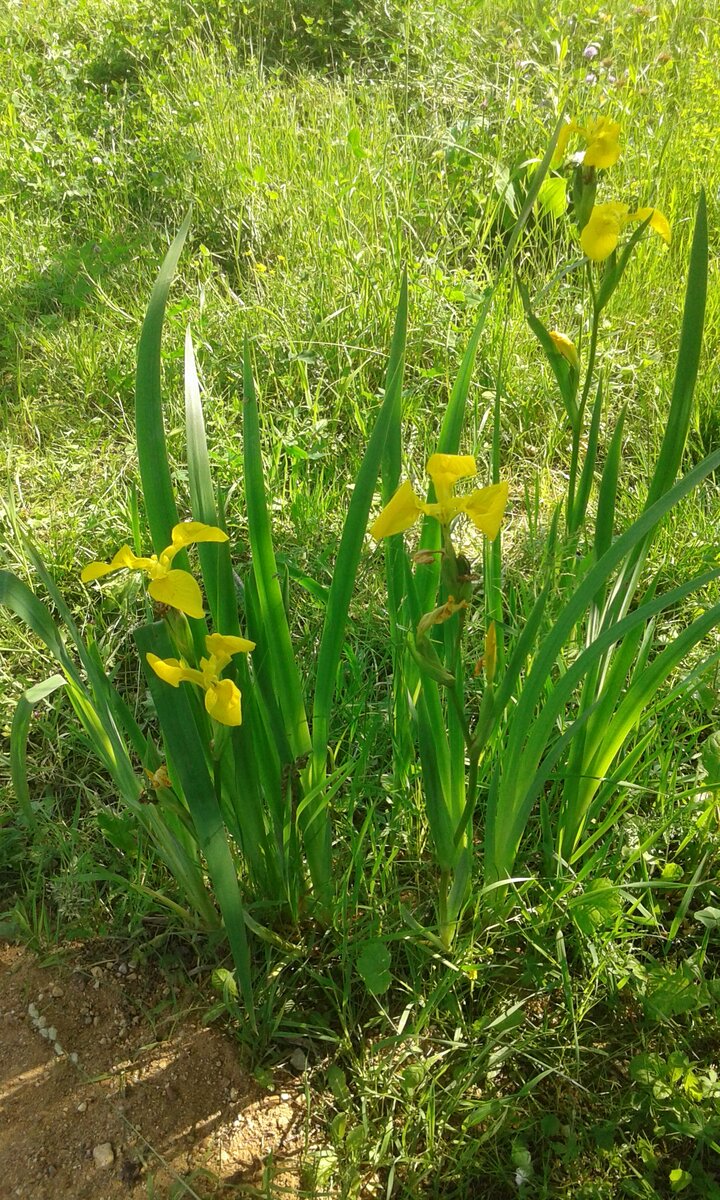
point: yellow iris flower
(484, 506)
(175, 588)
(601, 138)
(222, 696)
(607, 221)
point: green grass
(323, 147)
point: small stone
(284, 1095)
(104, 1156)
(57, 992)
(298, 1060)
(82, 1106)
(233, 1093)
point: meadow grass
(323, 147)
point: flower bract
(484, 506)
(565, 347)
(222, 696)
(607, 221)
(175, 588)
(439, 615)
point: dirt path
(103, 1088)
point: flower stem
(571, 518)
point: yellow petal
(222, 701)
(602, 232)
(446, 469)
(123, 560)
(563, 139)
(188, 532)
(485, 508)
(219, 644)
(565, 347)
(398, 514)
(658, 222)
(602, 137)
(178, 590)
(172, 671)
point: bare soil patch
(108, 1092)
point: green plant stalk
(573, 519)
(678, 423)
(152, 449)
(188, 755)
(274, 627)
(514, 798)
(530, 771)
(317, 828)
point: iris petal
(399, 513)
(123, 560)
(172, 671)
(223, 702)
(188, 532)
(179, 590)
(602, 232)
(218, 645)
(658, 221)
(603, 147)
(485, 508)
(446, 469)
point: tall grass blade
(688, 362)
(274, 626)
(150, 430)
(680, 414)
(19, 731)
(341, 589)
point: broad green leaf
(709, 917)
(598, 906)
(552, 197)
(373, 964)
